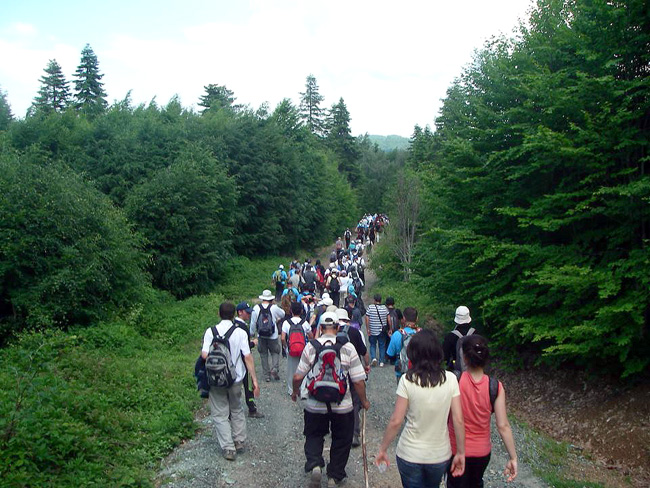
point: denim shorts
(416, 475)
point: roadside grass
(102, 405)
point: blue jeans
(416, 475)
(378, 340)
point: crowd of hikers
(331, 340)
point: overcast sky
(391, 61)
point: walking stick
(363, 446)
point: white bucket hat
(342, 314)
(267, 296)
(327, 301)
(462, 315)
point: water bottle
(382, 467)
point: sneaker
(331, 482)
(255, 414)
(268, 379)
(355, 441)
(381, 365)
(374, 362)
(239, 447)
(230, 455)
(314, 481)
(276, 376)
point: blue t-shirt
(395, 347)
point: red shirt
(477, 410)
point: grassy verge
(100, 406)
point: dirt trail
(274, 455)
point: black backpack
(334, 285)
(219, 366)
(493, 387)
(264, 324)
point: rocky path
(274, 454)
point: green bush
(66, 254)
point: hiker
(279, 278)
(295, 333)
(354, 312)
(345, 283)
(394, 316)
(376, 329)
(333, 285)
(225, 402)
(264, 322)
(339, 247)
(348, 237)
(244, 311)
(478, 402)
(400, 339)
(450, 345)
(425, 396)
(309, 278)
(348, 332)
(321, 308)
(320, 277)
(335, 416)
(296, 278)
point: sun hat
(267, 296)
(462, 315)
(342, 314)
(328, 318)
(281, 266)
(327, 301)
(244, 306)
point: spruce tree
(5, 111)
(341, 141)
(310, 110)
(90, 94)
(217, 97)
(54, 94)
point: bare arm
(505, 432)
(360, 387)
(392, 429)
(458, 463)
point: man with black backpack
(226, 351)
(265, 321)
(325, 366)
(453, 340)
(242, 319)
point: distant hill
(388, 143)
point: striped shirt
(377, 317)
(350, 363)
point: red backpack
(297, 338)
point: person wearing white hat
(450, 345)
(265, 319)
(319, 417)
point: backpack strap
(215, 334)
(494, 391)
(457, 333)
(458, 374)
(230, 331)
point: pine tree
(90, 94)
(5, 111)
(340, 140)
(54, 94)
(310, 110)
(217, 97)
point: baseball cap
(328, 319)
(245, 306)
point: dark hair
(227, 311)
(318, 262)
(390, 301)
(476, 350)
(378, 298)
(410, 314)
(425, 353)
(296, 308)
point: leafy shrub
(66, 254)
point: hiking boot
(355, 441)
(314, 480)
(239, 447)
(374, 362)
(331, 482)
(256, 414)
(230, 455)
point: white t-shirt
(276, 312)
(425, 438)
(296, 320)
(238, 345)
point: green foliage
(536, 188)
(5, 112)
(340, 140)
(66, 254)
(187, 214)
(54, 94)
(90, 97)
(310, 109)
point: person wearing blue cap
(244, 311)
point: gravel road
(274, 455)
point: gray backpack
(459, 362)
